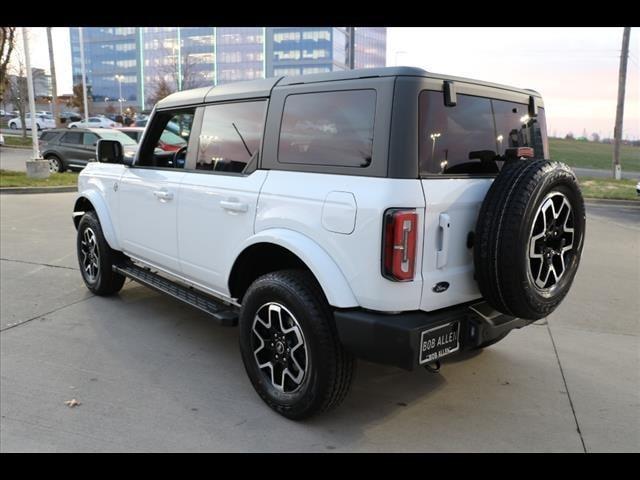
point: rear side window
(72, 137)
(230, 136)
(48, 136)
(463, 139)
(328, 128)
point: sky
(575, 69)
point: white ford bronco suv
(391, 214)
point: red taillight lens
(399, 244)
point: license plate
(437, 342)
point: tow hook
(433, 367)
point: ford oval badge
(440, 287)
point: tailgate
(452, 207)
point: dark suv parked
(72, 149)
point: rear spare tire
(529, 238)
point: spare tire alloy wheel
(529, 238)
(279, 347)
(551, 244)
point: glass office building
(179, 58)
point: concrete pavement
(153, 375)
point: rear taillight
(400, 232)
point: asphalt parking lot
(153, 375)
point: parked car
(638, 188)
(169, 141)
(73, 149)
(94, 122)
(43, 122)
(387, 214)
(1, 139)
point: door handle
(163, 195)
(234, 206)
(444, 223)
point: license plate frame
(439, 341)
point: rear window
(449, 135)
(328, 128)
(48, 136)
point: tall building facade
(141, 61)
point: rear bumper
(394, 339)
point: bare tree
(173, 74)
(7, 42)
(161, 89)
(77, 99)
(17, 89)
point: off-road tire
(106, 281)
(504, 232)
(330, 367)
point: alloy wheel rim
(551, 242)
(279, 347)
(53, 165)
(90, 255)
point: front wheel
(13, 126)
(290, 347)
(96, 258)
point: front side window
(154, 152)
(466, 138)
(230, 136)
(328, 128)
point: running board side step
(225, 315)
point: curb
(612, 202)
(20, 190)
(16, 147)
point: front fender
(331, 279)
(100, 207)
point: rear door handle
(163, 195)
(234, 206)
(442, 255)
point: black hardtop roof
(262, 87)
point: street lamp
(120, 78)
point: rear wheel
(290, 346)
(13, 126)
(55, 164)
(96, 258)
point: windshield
(119, 136)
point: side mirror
(109, 151)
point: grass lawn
(593, 155)
(10, 141)
(609, 188)
(20, 179)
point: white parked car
(372, 214)
(94, 122)
(1, 139)
(42, 122)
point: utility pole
(617, 131)
(351, 49)
(36, 167)
(54, 84)
(84, 75)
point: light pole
(120, 78)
